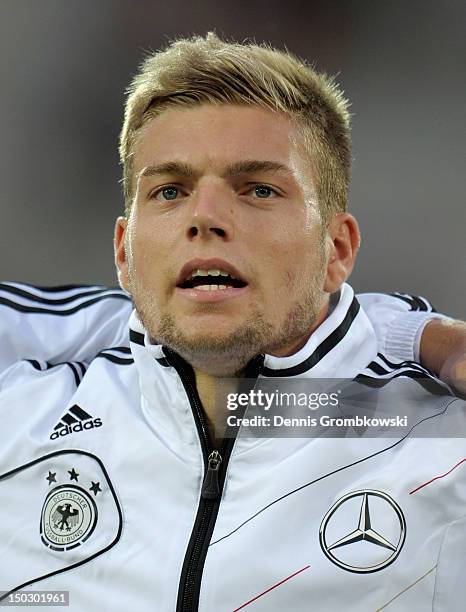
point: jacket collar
(341, 347)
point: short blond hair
(209, 70)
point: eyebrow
(252, 166)
(243, 167)
(172, 167)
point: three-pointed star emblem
(360, 560)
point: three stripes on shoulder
(415, 302)
(120, 355)
(60, 301)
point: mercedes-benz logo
(379, 535)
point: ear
(119, 248)
(344, 239)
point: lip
(210, 297)
(208, 264)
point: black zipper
(215, 465)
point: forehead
(214, 136)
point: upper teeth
(210, 272)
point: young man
(235, 248)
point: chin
(211, 338)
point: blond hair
(206, 69)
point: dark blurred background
(64, 68)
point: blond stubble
(230, 352)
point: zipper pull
(210, 486)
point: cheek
(300, 263)
(143, 262)
(144, 242)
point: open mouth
(213, 279)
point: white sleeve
(69, 323)
(398, 320)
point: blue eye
(263, 191)
(170, 192)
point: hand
(443, 350)
(454, 371)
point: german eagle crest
(69, 513)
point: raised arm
(409, 329)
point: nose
(210, 212)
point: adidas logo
(74, 420)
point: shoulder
(56, 324)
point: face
(224, 190)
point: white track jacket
(110, 489)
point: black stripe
(430, 307)
(325, 347)
(80, 413)
(69, 419)
(378, 369)
(35, 364)
(82, 367)
(414, 367)
(381, 371)
(390, 363)
(404, 364)
(136, 337)
(59, 313)
(49, 366)
(416, 303)
(429, 383)
(75, 373)
(54, 301)
(372, 381)
(115, 359)
(421, 305)
(410, 370)
(119, 349)
(406, 299)
(57, 288)
(59, 426)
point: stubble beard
(227, 355)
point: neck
(211, 390)
(211, 385)
(296, 344)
